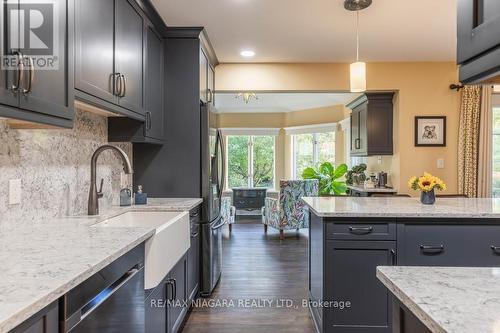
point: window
(250, 161)
(495, 188)
(309, 150)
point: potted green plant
(356, 176)
(329, 177)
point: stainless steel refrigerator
(212, 186)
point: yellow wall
(283, 150)
(422, 90)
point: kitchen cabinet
(478, 41)
(38, 85)
(352, 265)
(193, 256)
(151, 130)
(167, 304)
(204, 93)
(109, 55)
(344, 254)
(45, 321)
(372, 124)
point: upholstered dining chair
(289, 211)
(228, 212)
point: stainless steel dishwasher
(111, 301)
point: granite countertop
(451, 299)
(372, 190)
(400, 207)
(42, 262)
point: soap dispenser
(140, 197)
(125, 197)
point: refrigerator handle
(222, 177)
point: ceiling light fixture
(358, 68)
(247, 53)
(247, 96)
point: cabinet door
(156, 310)
(48, 83)
(203, 77)
(354, 131)
(94, 47)
(7, 46)
(478, 27)
(154, 85)
(193, 261)
(363, 130)
(351, 277)
(177, 309)
(129, 27)
(46, 321)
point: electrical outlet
(440, 163)
(379, 160)
(14, 191)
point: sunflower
(426, 183)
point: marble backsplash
(54, 168)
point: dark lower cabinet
(46, 321)
(193, 261)
(359, 301)
(167, 304)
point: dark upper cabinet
(155, 59)
(478, 41)
(211, 85)
(204, 66)
(372, 124)
(94, 48)
(352, 266)
(109, 56)
(129, 29)
(152, 129)
(37, 85)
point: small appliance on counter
(125, 197)
(382, 179)
(140, 197)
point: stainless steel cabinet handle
(170, 284)
(393, 257)
(357, 143)
(432, 249)
(117, 84)
(148, 121)
(31, 75)
(124, 91)
(209, 96)
(360, 230)
(20, 70)
(495, 249)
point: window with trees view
(309, 150)
(250, 161)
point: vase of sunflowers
(427, 185)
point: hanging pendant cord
(357, 36)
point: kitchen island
(444, 299)
(350, 237)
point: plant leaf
(310, 173)
(340, 171)
(327, 169)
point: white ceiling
(280, 102)
(320, 30)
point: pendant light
(358, 68)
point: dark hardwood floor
(258, 267)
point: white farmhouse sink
(164, 249)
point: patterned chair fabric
(289, 211)
(228, 212)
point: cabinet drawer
(450, 245)
(368, 231)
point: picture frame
(430, 131)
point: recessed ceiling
(280, 102)
(320, 30)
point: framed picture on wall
(430, 131)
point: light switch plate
(440, 163)
(14, 191)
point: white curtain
(485, 145)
